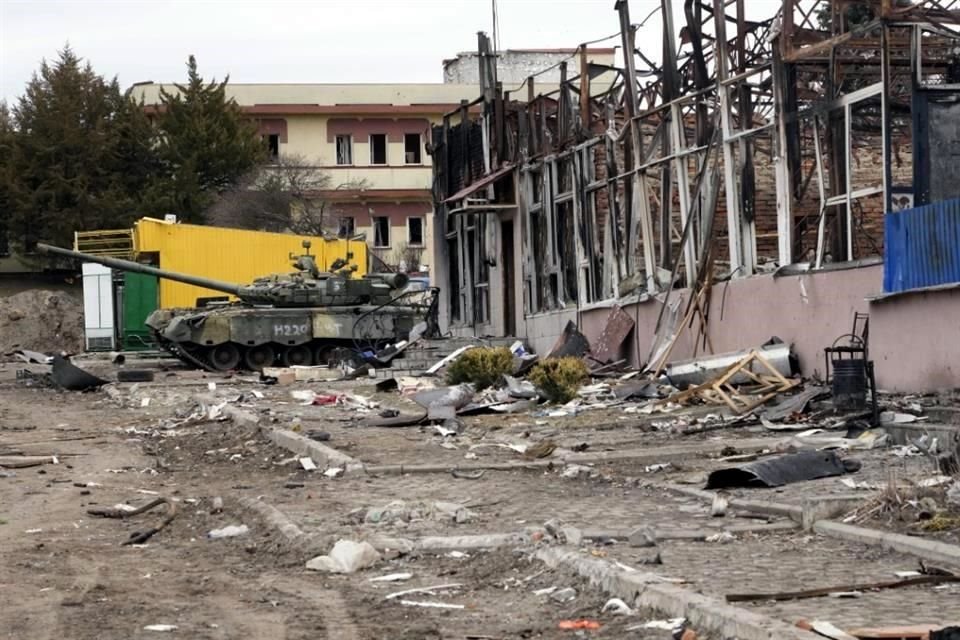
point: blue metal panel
(922, 247)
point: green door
(140, 298)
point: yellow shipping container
(233, 255)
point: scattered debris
(216, 505)
(308, 464)
(617, 607)
(430, 590)
(163, 628)
(720, 504)
(68, 376)
(781, 470)
(579, 625)
(231, 531)
(346, 556)
(125, 511)
(568, 594)
(826, 591)
(571, 343)
(431, 605)
(393, 577)
(723, 537)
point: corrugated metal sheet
(233, 255)
(922, 247)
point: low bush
(481, 366)
(559, 379)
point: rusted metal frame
(562, 109)
(848, 144)
(787, 27)
(734, 137)
(465, 144)
(681, 167)
(747, 74)
(548, 200)
(585, 109)
(741, 36)
(885, 115)
(584, 284)
(701, 80)
(798, 55)
(822, 189)
(669, 159)
(738, 263)
(670, 91)
(530, 267)
(640, 206)
(783, 175)
(616, 259)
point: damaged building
(755, 176)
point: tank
(290, 319)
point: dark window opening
(415, 232)
(381, 232)
(344, 150)
(378, 148)
(273, 145)
(411, 148)
(347, 227)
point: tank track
(182, 354)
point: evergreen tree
(73, 166)
(205, 146)
(6, 174)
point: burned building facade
(746, 185)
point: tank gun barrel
(127, 265)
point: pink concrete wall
(912, 339)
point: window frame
(423, 232)
(353, 226)
(336, 149)
(419, 161)
(373, 221)
(386, 150)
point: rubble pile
(41, 320)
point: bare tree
(284, 196)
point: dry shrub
(559, 379)
(481, 366)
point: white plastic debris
(903, 575)
(667, 625)
(458, 555)
(212, 386)
(439, 587)
(144, 402)
(231, 531)
(723, 537)
(308, 464)
(305, 396)
(333, 472)
(653, 468)
(431, 605)
(161, 627)
(953, 494)
(618, 607)
(346, 556)
(572, 471)
(393, 577)
(562, 596)
(544, 592)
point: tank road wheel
(260, 356)
(225, 357)
(322, 354)
(297, 356)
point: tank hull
(245, 337)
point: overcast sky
(292, 40)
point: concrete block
(321, 454)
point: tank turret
(306, 287)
